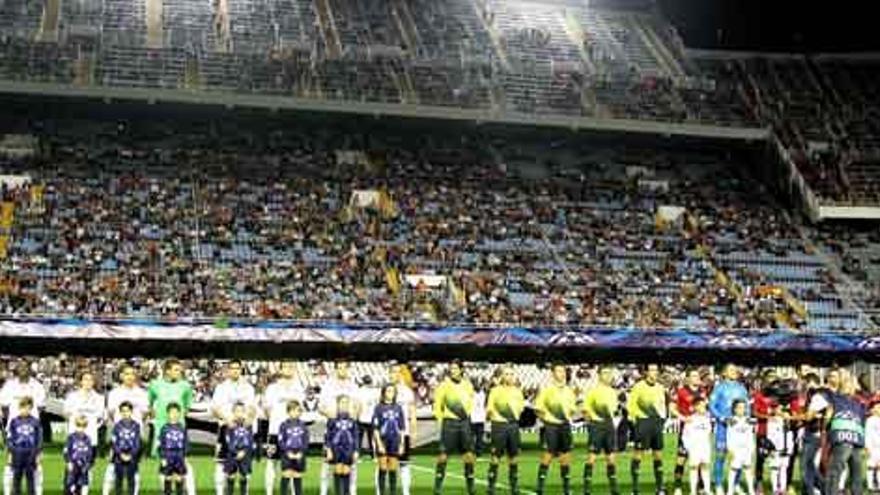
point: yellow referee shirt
(454, 400)
(646, 401)
(600, 403)
(556, 404)
(505, 404)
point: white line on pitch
(479, 481)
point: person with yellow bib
(600, 408)
(646, 408)
(453, 404)
(504, 406)
(556, 406)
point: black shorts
(649, 434)
(173, 465)
(765, 446)
(407, 447)
(682, 450)
(288, 464)
(221, 450)
(456, 437)
(603, 437)
(557, 439)
(505, 439)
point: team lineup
(728, 437)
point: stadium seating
(273, 234)
(516, 57)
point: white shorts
(741, 458)
(699, 456)
(874, 458)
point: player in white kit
(332, 388)
(741, 446)
(129, 390)
(85, 402)
(782, 439)
(696, 438)
(234, 389)
(275, 400)
(16, 388)
(872, 445)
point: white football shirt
(136, 395)
(85, 403)
(696, 434)
(407, 400)
(332, 389)
(740, 436)
(229, 393)
(14, 390)
(276, 398)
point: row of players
(726, 412)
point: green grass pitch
(423, 466)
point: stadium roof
(777, 26)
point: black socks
(542, 478)
(469, 478)
(588, 477)
(565, 473)
(635, 467)
(439, 476)
(658, 474)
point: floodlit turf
(423, 466)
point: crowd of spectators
(825, 114)
(174, 227)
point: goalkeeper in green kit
(171, 388)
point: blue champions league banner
(390, 333)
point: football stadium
(428, 247)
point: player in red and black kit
(761, 406)
(682, 408)
(865, 396)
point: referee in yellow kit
(504, 406)
(600, 407)
(556, 406)
(647, 409)
(453, 404)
